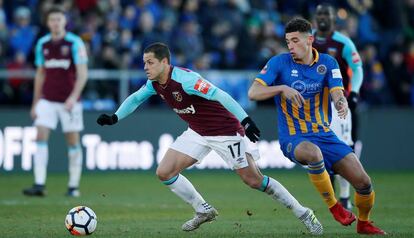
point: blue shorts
(332, 148)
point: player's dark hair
(160, 51)
(54, 9)
(298, 24)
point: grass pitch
(136, 204)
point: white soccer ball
(81, 221)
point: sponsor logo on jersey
(57, 63)
(202, 86)
(188, 110)
(64, 50)
(303, 87)
(264, 70)
(355, 57)
(177, 96)
(336, 73)
(321, 69)
(294, 73)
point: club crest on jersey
(321, 69)
(202, 86)
(332, 51)
(177, 96)
(64, 50)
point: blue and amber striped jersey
(314, 82)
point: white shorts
(48, 113)
(232, 149)
(342, 127)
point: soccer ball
(81, 221)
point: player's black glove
(105, 119)
(252, 132)
(352, 101)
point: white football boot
(199, 219)
(311, 222)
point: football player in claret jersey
(61, 75)
(303, 83)
(215, 122)
(334, 43)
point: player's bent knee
(308, 153)
(163, 174)
(363, 183)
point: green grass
(136, 204)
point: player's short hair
(54, 9)
(298, 24)
(160, 51)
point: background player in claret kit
(61, 75)
(332, 42)
(214, 124)
(303, 83)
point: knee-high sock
(364, 203)
(40, 162)
(320, 179)
(281, 194)
(181, 186)
(75, 165)
(343, 187)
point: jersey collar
(315, 55)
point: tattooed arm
(340, 103)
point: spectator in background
(374, 89)
(188, 41)
(3, 24)
(398, 76)
(19, 87)
(22, 34)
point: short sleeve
(269, 73)
(334, 75)
(39, 58)
(79, 52)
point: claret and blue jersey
(207, 109)
(314, 82)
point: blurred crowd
(210, 34)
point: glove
(352, 101)
(252, 132)
(105, 119)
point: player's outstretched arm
(341, 105)
(252, 132)
(127, 107)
